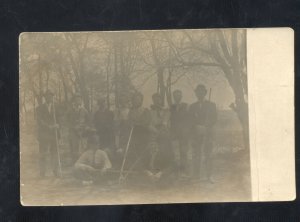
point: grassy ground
(231, 178)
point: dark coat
(204, 114)
(45, 120)
(179, 119)
(104, 123)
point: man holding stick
(179, 129)
(47, 134)
(203, 116)
(77, 123)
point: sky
(221, 92)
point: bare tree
(225, 50)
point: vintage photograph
(134, 117)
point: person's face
(49, 98)
(94, 143)
(177, 96)
(102, 105)
(137, 101)
(200, 94)
(123, 101)
(78, 102)
(157, 100)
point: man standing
(162, 157)
(104, 124)
(77, 121)
(47, 134)
(203, 116)
(139, 120)
(179, 128)
(122, 127)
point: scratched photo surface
(134, 117)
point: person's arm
(212, 114)
(81, 166)
(40, 119)
(102, 161)
(185, 116)
(107, 163)
(87, 118)
(167, 117)
(58, 114)
(166, 121)
(146, 118)
(152, 128)
(191, 120)
(82, 163)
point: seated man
(92, 164)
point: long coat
(202, 114)
(45, 119)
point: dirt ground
(231, 182)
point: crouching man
(93, 164)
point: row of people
(144, 138)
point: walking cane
(56, 139)
(125, 155)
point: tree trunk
(240, 107)
(169, 88)
(107, 79)
(116, 79)
(161, 83)
(82, 82)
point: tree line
(114, 65)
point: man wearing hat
(179, 129)
(203, 116)
(139, 120)
(77, 122)
(162, 158)
(47, 129)
(104, 124)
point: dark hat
(137, 94)
(201, 88)
(75, 96)
(155, 95)
(177, 91)
(48, 93)
(100, 101)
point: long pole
(56, 139)
(125, 155)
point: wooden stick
(56, 139)
(125, 155)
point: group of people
(153, 142)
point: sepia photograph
(134, 117)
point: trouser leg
(54, 156)
(43, 147)
(196, 161)
(208, 159)
(81, 173)
(74, 146)
(197, 156)
(183, 154)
